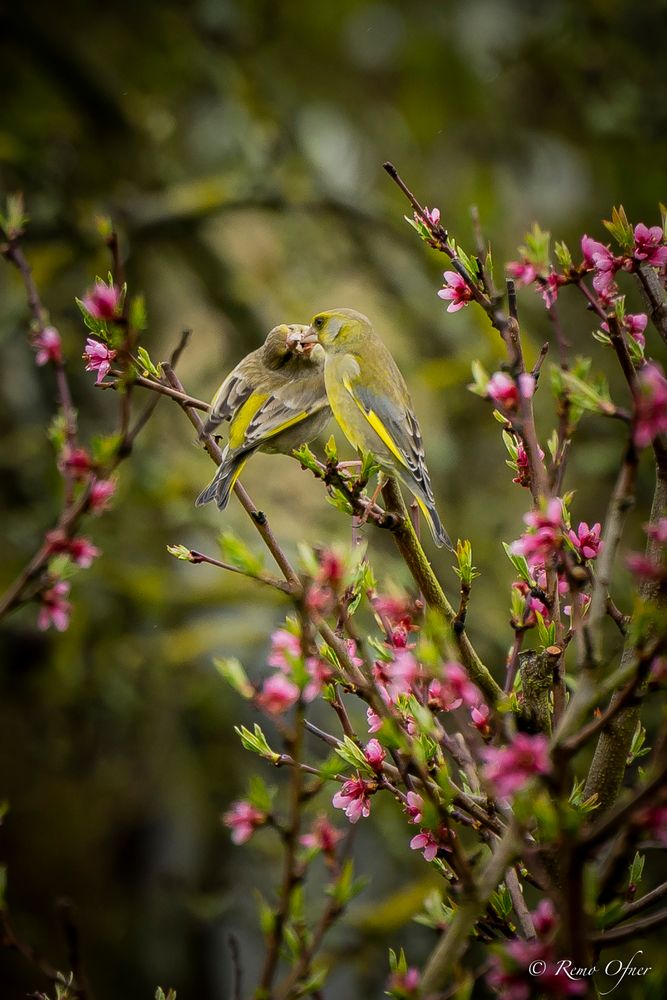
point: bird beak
(308, 340)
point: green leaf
(346, 887)
(180, 552)
(480, 380)
(307, 459)
(331, 450)
(146, 365)
(536, 248)
(237, 553)
(260, 795)
(353, 755)
(636, 869)
(138, 317)
(256, 742)
(14, 219)
(97, 326)
(57, 431)
(464, 569)
(104, 447)
(232, 671)
(520, 564)
(593, 395)
(620, 229)
(161, 995)
(563, 255)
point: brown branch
(413, 554)
(630, 930)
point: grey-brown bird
(275, 401)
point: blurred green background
(239, 146)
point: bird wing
(397, 428)
(229, 398)
(253, 426)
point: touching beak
(307, 341)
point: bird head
(338, 329)
(285, 343)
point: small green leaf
(180, 552)
(138, 317)
(307, 459)
(620, 229)
(146, 365)
(520, 564)
(237, 553)
(331, 450)
(353, 755)
(232, 671)
(256, 742)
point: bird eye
(319, 322)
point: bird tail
(223, 482)
(440, 536)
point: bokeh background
(239, 146)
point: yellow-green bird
(371, 402)
(275, 401)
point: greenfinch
(371, 402)
(275, 401)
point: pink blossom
(635, 324)
(548, 288)
(48, 345)
(425, 842)
(508, 768)
(243, 819)
(321, 673)
(523, 272)
(655, 820)
(99, 358)
(432, 215)
(649, 247)
(503, 391)
(278, 694)
(587, 540)
(77, 462)
(453, 689)
(457, 290)
(100, 494)
(80, 550)
(651, 406)
(544, 918)
(480, 715)
(414, 807)
(404, 983)
(545, 536)
(644, 567)
(522, 477)
(331, 568)
(354, 798)
(319, 598)
(657, 530)
(596, 255)
(397, 676)
(55, 608)
(323, 836)
(374, 721)
(374, 754)
(526, 385)
(102, 301)
(396, 609)
(352, 653)
(285, 650)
